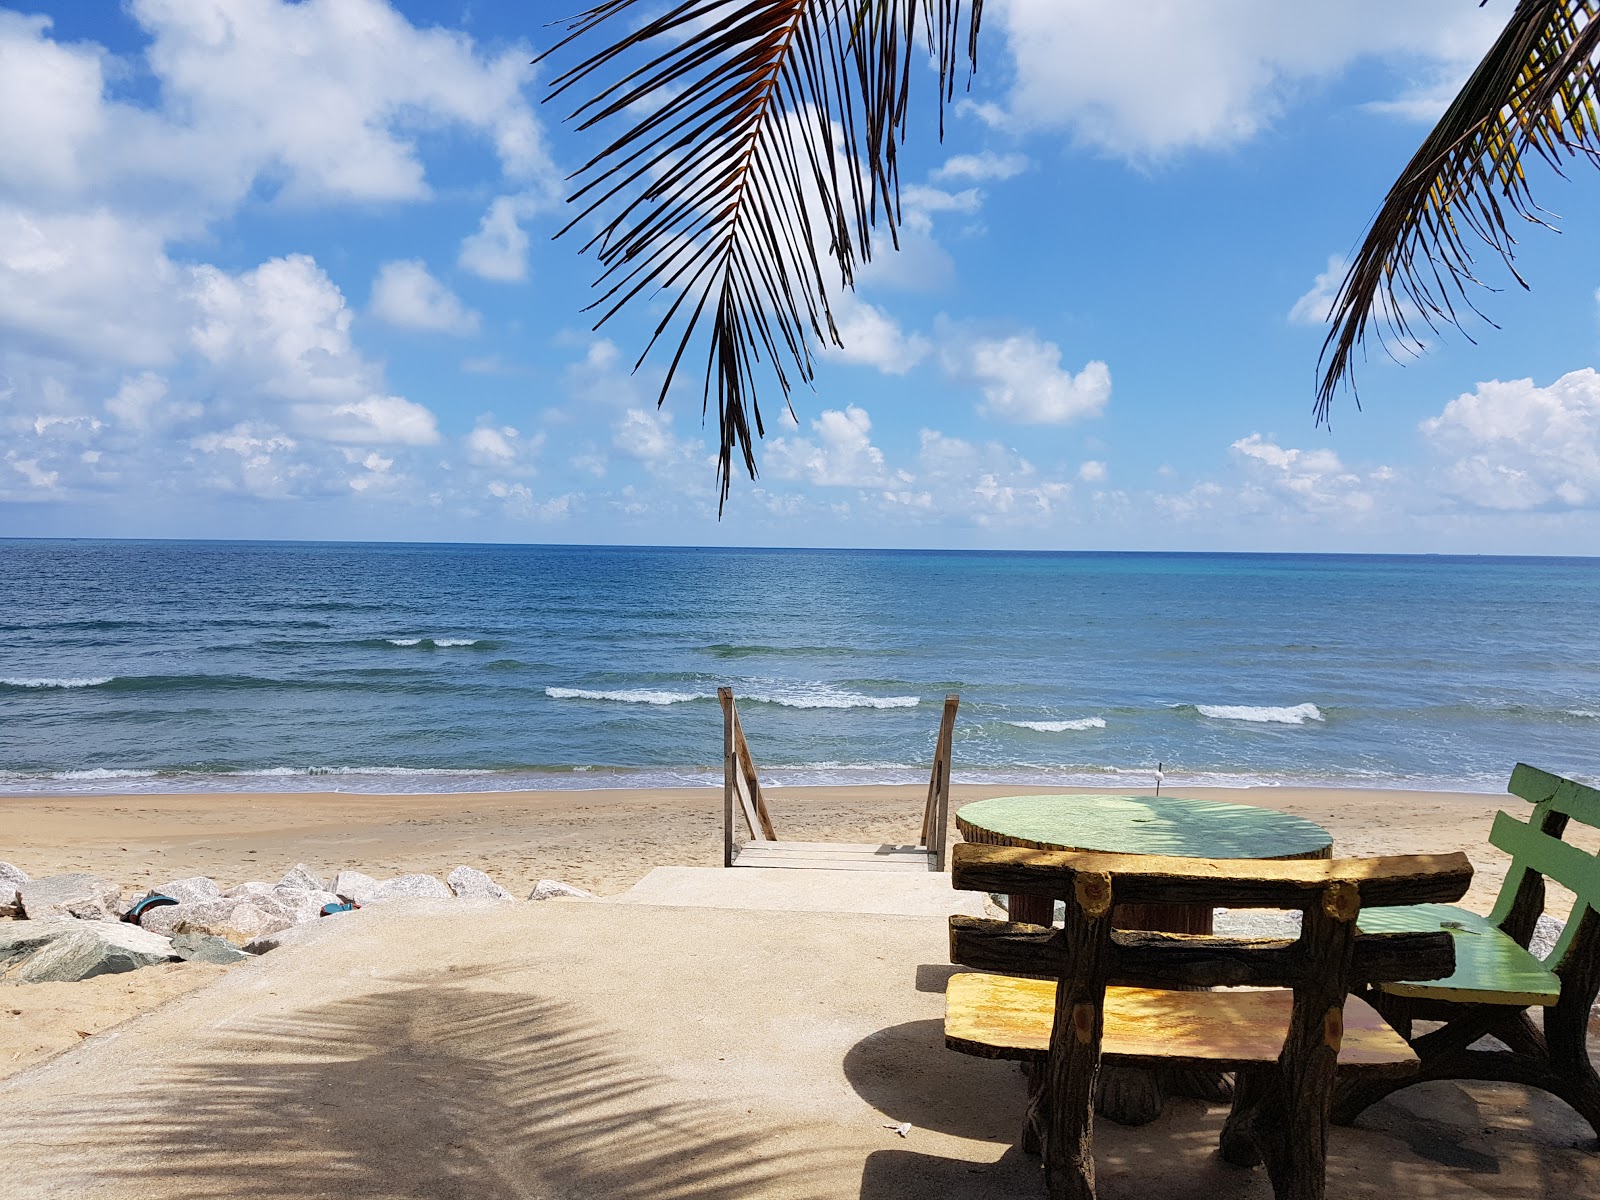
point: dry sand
(603, 840)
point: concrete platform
(772, 889)
(597, 1051)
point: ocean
(177, 666)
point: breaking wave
(1061, 726)
(1297, 714)
(86, 681)
(627, 696)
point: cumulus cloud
(499, 248)
(979, 167)
(949, 477)
(501, 447)
(873, 338)
(1516, 446)
(239, 379)
(840, 455)
(1023, 380)
(1225, 70)
(406, 296)
(281, 332)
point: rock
(409, 887)
(472, 884)
(354, 886)
(22, 938)
(554, 889)
(202, 947)
(303, 878)
(11, 881)
(93, 948)
(236, 918)
(246, 890)
(196, 887)
(302, 904)
(86, 897)
(296, 935)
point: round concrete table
(1142, 825)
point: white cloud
(281, 333)
(1209, 75)
(1515, 446)
(1313, 307)
(1290, 487)
(243, 380)
(499, 249)
(1023, 381)
(1092, 471)
(645, 435)
(89, 285)
(1314, 480)
(979, 167)
(501, 447)
(872, 338)
(141, 403)
(985, 484)
(406, 296)
(841, 456)
(518, 500)
(332, 92)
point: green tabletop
(1143, 825)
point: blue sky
(284, 270)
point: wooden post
(741, 778)
(1063, 1108)
(729, 767)
(935, 813)
(1290, 1125)
(941, 767)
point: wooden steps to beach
(834, 856)
(742, 795)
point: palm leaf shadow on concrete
(442, 1090)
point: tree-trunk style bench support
(1067, 999)
(1497, 980)
(742, 797)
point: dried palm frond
(1535, 91)
(754, 140)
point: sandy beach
(602, 840)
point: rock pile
(70, 927)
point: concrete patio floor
(576, 1049)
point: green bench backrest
(1532, 849)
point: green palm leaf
(1532, 96)
(751, 153)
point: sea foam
(626, 696)
(1297, 714)
(87, 681)
(441, 642)
(826, 697)
(1061, 726)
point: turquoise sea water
(175, 665)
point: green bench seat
(1490, 967)
(1496, 979)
